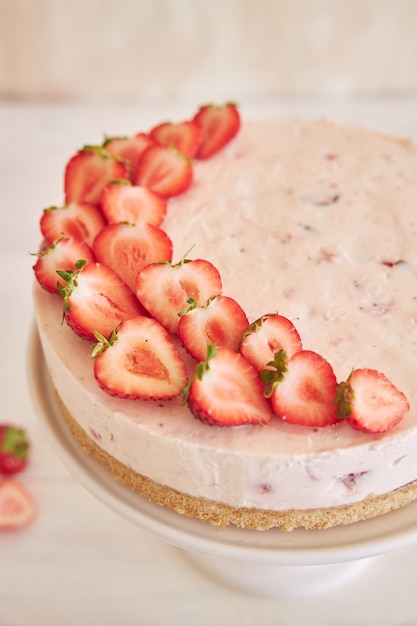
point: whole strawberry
(14, 447)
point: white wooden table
(79, 562)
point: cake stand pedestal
(271, 563)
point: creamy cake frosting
(319, 223)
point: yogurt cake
(317, 222)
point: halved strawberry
(122, 202)
(88, 171)
(129, 149)
(14, 448)
(77, 219)
(220, 323)
(164, 170)
(370, 401)
(17, 506)
(302, 389)
(164, 289)
(264, 337)
(139, 361)
(227, 391)
(60, 255)
(219, 124)
(128, 248)
(96, 299)
(183, 136)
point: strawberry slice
(96, 299)
(370, 401)
(183, 136)
(61, 254)
(227, 391)
(17, 507)
(164, 170)
(219, 124)
(302, 389)
(139, 361)
(123, 202)
(88, 171)
(219, 323)
(264, 337)
(78, 219)
(14, 448)
(128, 248)
(128, 149)
(164, 289)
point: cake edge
(221, 514)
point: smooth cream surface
(318, 223)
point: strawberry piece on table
(80, 220)
(219, 125)
(227, 391)
(17, 507)
(123, 202)
(96, 299)
(129, 149)
(164, 289)
(264, 337)
(219, 323)
(164, 170)
(302, 389)
(88, 171)
(139, 361)
(128, 248)
(183, 136)
(14, 448)
(370, 401)
(63, 253)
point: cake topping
(78, 219)
(139, 360)
(63, 252)
(227, 391)
(370, 402)
(302, 388)
(129, 272)
(96, 299)
(184, 136)
(262, 339)
(121, 201)
(128, 248)
(88, 171)
(164, 289)
(128, 149)
(220, 322)
(219, 124)
(164, 170)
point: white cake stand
(272, 563)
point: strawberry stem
(120, 181)
(275, 373)
(103, 343)
(70, 277)
(16, 442)
(192, 304)
(200, 370)
(254, 327)
(184, 258)
(344, 399)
